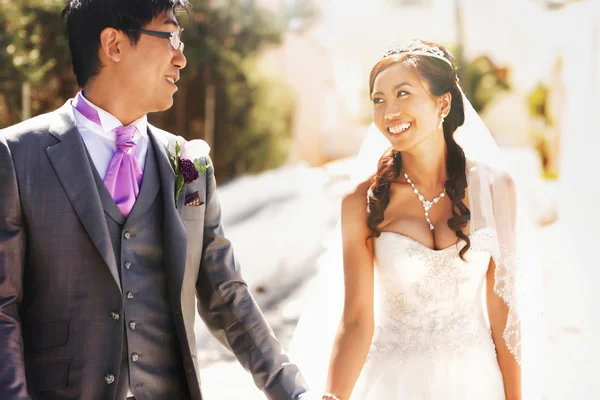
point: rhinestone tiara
(417, 48)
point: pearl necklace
(426, 204)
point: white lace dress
(432, 340)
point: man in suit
(101, 256)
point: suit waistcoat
(151, 365)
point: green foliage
(301, 14)
(483, 81)
(179, 181)
(253, 114)
(537, 103)
(201, 168)
(542, 122)
(33, 48)
(269, 124)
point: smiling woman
(418, 106)
(426, 241)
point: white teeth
(399, 128)
(170, 79)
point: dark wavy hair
(441, 78)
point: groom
(100, 260)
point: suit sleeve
(228, 309)
(12, 259)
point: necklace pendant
(426, 203)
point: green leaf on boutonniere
(179, 181)
(172, 159)
(177, 155)
(201, 168)
(174, 165)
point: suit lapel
(71, 164)
(110, 207)
(175, 235)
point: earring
(441, 122)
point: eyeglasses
(174, 37)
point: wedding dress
(432, 338)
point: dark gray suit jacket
(59, 281)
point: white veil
(518, 273)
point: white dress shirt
(101, 141)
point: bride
(429, 248)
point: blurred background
(279, 89)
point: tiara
(418, 48)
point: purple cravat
(124, 175)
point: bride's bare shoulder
(357, 194)
(354, 213)
(354, 202)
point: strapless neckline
(408, 238)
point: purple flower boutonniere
(186, 170)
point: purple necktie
(124, 175)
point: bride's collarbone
(405, 216)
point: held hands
(313, 395)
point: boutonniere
(188, 163)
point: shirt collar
(110, 122)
